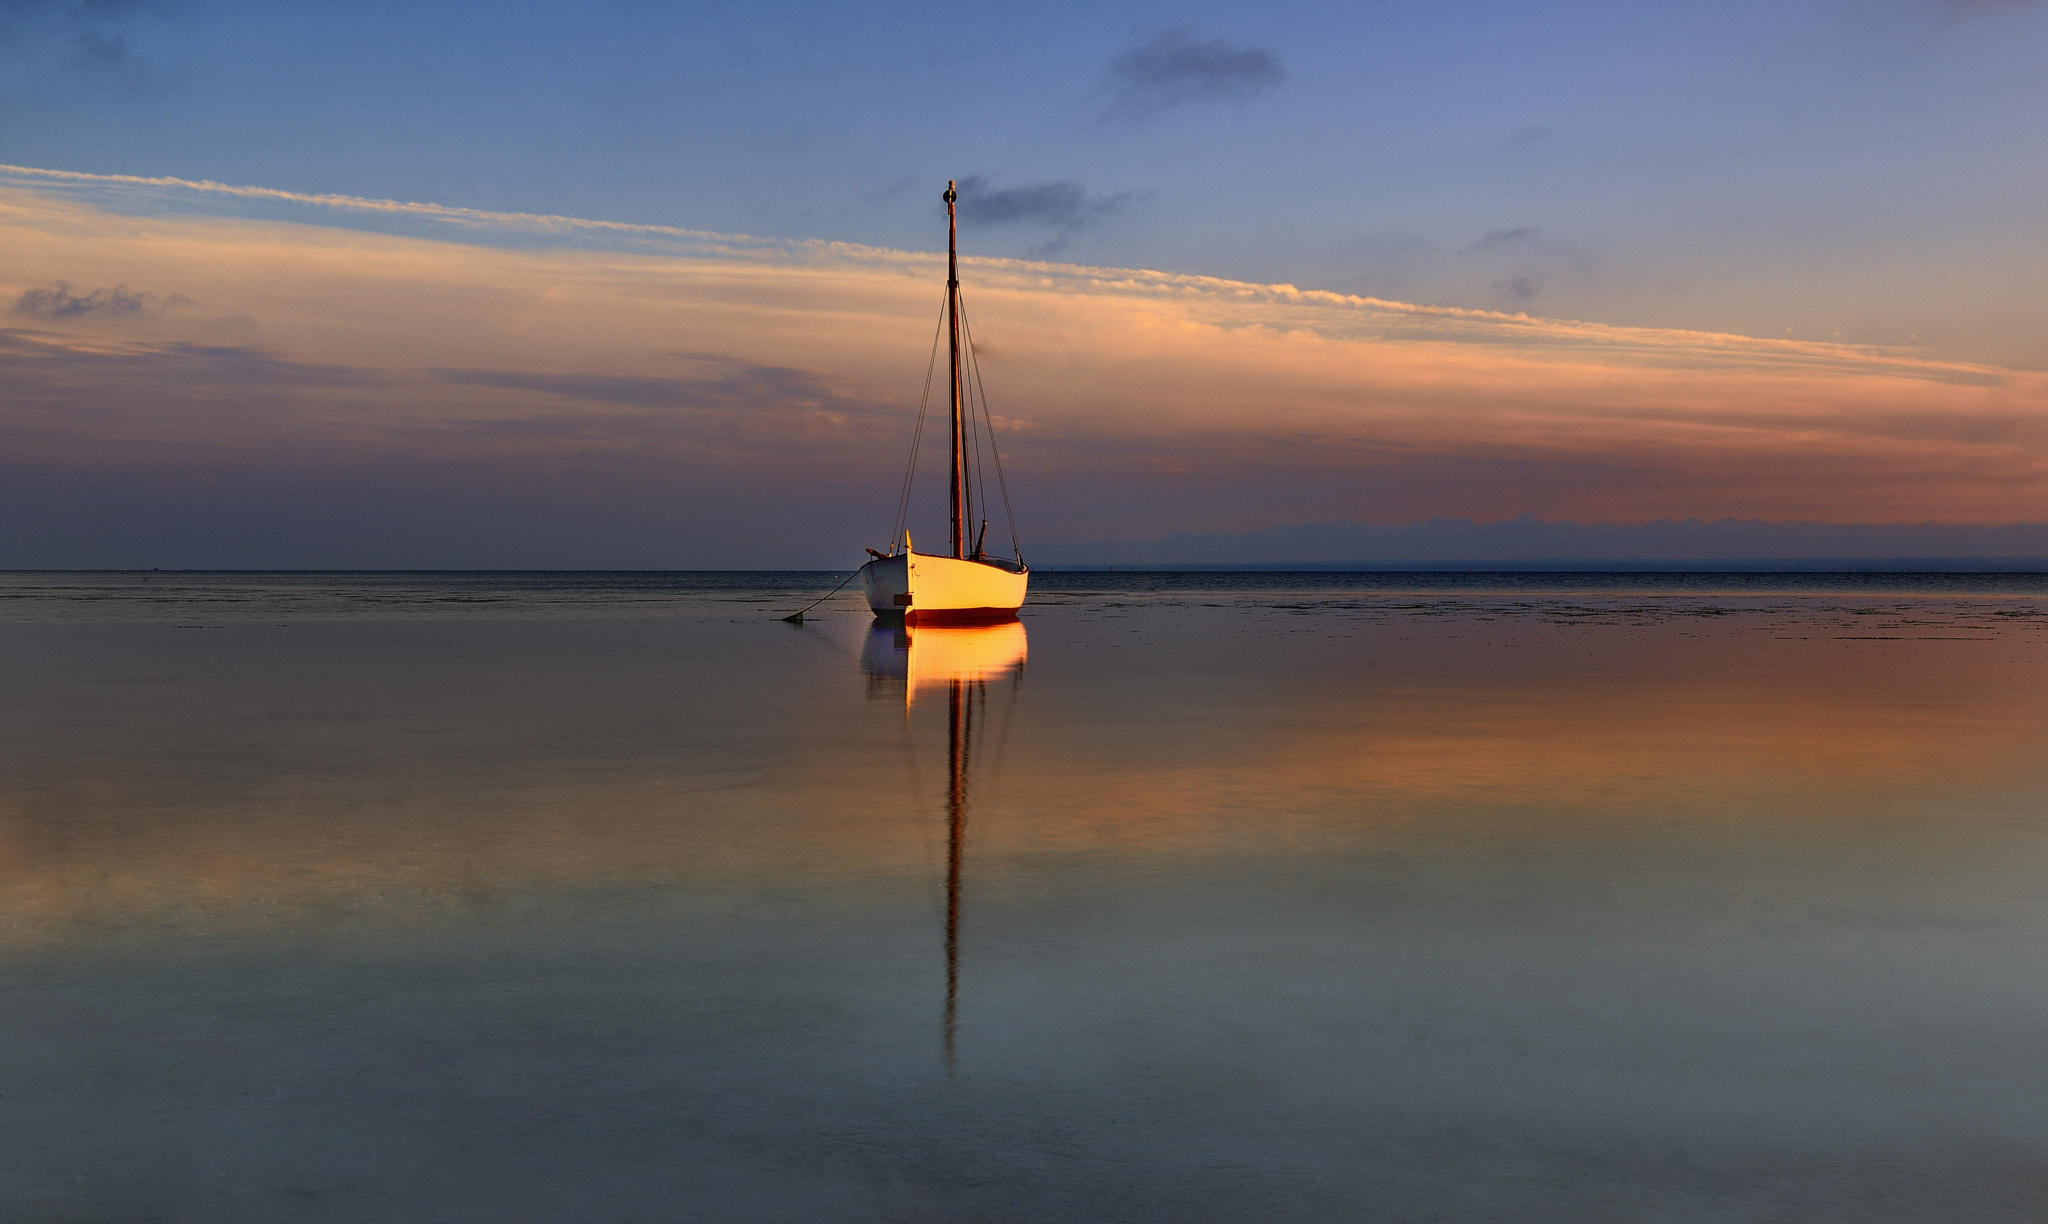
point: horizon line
(2019, 564)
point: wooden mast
(953, 333)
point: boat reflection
(928, 659)
(960, 661)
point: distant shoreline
(1797, 565)
(1809, 565)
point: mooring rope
(797, 618)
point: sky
(644, 285)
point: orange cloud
(1151, 400)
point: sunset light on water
(1464, 633)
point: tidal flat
(1189, 897)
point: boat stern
(886, 581)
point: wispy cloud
(1522, 262)
(95, 42)
(1978, 8)
(99, 49)
(80, 10)
(1493, 240)
(129, 191)
(1522, 290)
(1174, 67)
(1529, 141)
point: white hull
(923, 588)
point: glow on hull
(924, 589)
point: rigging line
(917, 435)
(981, 400)
(979, 483)
(1002, 485)
(974, 367)
(971, 441)
(910, 468)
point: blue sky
(1821, 166)
(1868, 174)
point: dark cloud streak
(91, 43)
(738, 386)
(26, 356)
(1064, 205)
(59, 302)
(1521, 235)
(1173, 67)
(96, 48)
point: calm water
(1194, 897)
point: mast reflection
(960, 661)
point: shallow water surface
(1192, 897)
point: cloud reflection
(273, 771)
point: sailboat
(968, 584)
